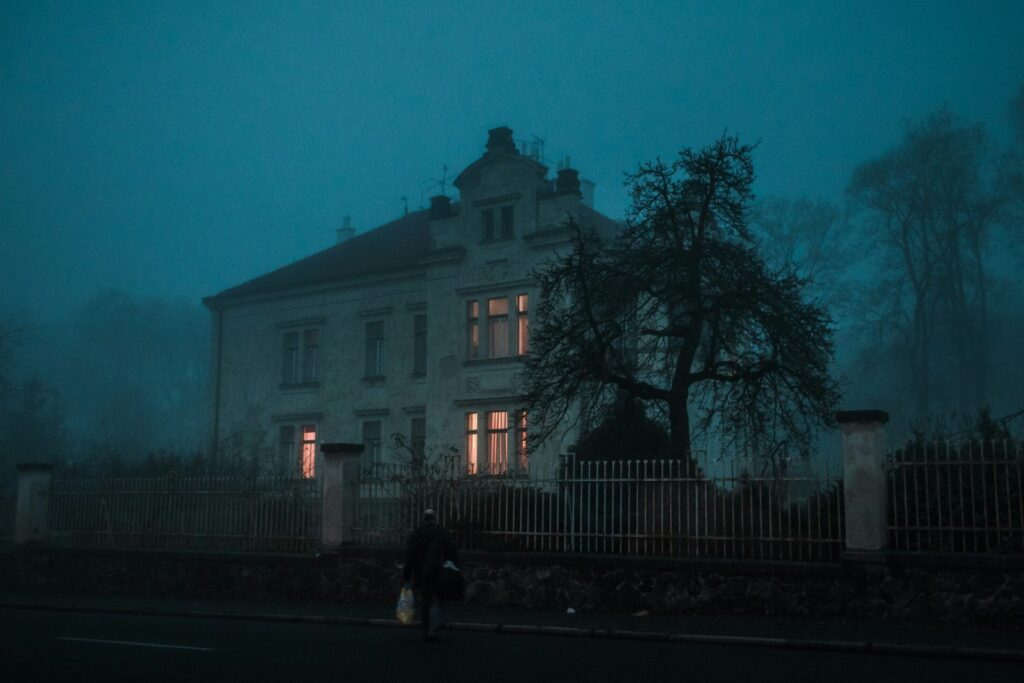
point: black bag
(451, 585)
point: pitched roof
(391, 247)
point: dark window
(310, 354)
(290, 360)
(418, 437)
(419, 345)
(371, 443)
(506, 223)
(488, 218)
(375, 349)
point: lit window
(375, 349)
(371, 443)
(523, 325)
(497, 327)
(473, 328)
(472, 441)
(307, 456)
(522, 453)
(497, 442)
(419, 345)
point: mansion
(416, 328)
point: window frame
(419, 345)
(376, 372)
(300, 355)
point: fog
(154, 154)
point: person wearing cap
(428, 548)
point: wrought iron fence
(268, 514)
(644, 508)
(957, 497)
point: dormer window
(498, 223)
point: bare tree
(812, 238)
(933, 208)
(681, 312)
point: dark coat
(420, 553)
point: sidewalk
(913, 639)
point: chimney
(499, 141)
(346, 231)
(568, 182)
(440, 207)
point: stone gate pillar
(864, 479)
(340, 492)
(33, 503)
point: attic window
(498, 223)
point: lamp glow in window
(472, 442)
(307, 456)
(497, 442)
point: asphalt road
(37, 645)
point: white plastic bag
(405, 610)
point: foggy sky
(177, 149)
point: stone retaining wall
(899, 589)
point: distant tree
(681, 312)
(33, 427)
(811, 238)
(932, 209)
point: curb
(849, 647)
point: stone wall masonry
(903, 588)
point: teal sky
(176, 149)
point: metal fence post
(32, 508)
(864, 479)
(340, 492)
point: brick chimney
(499, 141)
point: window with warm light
(497, 327)
(307, 456)
(472, 442)
(297, 456)
(473, 329)
(497, 442)
(522, 325)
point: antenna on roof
(405, 202)
(429, 184)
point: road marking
(136, 644)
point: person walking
(428, 548)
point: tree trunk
(679, 431)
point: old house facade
(417, 328)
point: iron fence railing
(270, 514)
(957, 497)
(635, 507)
